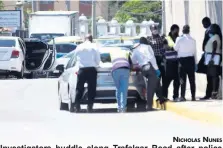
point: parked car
(64, 48)
(12, 56)
(39, 56)
(61, 62)
(105, 85)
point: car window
(105, 58)
(65, 48)
(7, 43)
(71, 62)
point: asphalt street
(29, 114)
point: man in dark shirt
(156, 42)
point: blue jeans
(121, 79)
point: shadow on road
(114, 110)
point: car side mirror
(60, 68)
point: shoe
(205, 98)
(89, 109)
(176, 99)
(76, 109)
(182, 99)
(193, 99)
(121, 110)
(149, 108)
(214, 95)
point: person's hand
(158, 72)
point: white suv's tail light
(15, 54)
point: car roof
(9, 37)
(67, 39)
(108, 49)
(63, 44)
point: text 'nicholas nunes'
(204, 139)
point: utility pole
(163, 17)
(93, 29)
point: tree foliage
(139, 10)
(1, 5)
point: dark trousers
(159, 61)
(86, 75)
(212, 85)
(171, 74)
(187, 68)
(151, 82)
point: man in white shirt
(143, 56)
(88, 59)
(187, 54)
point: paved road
(29, 115)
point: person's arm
(214, 45)
(177, 45)
(97, 57)
(153, 59)
(195, 52)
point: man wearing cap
(187, 54)
(156, 42)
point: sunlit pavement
(29, 114)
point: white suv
(12, 55)
(30, 55)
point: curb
(202, 116)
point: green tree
(139, 10)
(1, 5)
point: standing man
(88, 59)
(143, 56)
(187, 55)
(171, 67)
(120, 72)
(207, 25)
(156, 42)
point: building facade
(83, 6)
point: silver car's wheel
(62, 106)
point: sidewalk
(210, 111)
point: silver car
(105, 84)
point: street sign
(10, 18)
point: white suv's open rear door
(37, 54)
(51, 64)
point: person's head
(89, 38)
(174, 30)
(206, 22)
(186, 29)
(165, 44)
(154, 29)
(143, 40)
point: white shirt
(186, 47)
(143, 54)
(87, 55)
(209, 46)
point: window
(7, 43)
(65, 48)
(105, 58)
(71, 62)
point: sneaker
(205, 98)
(122, 110)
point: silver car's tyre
(63, 106)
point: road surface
(29, 114)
